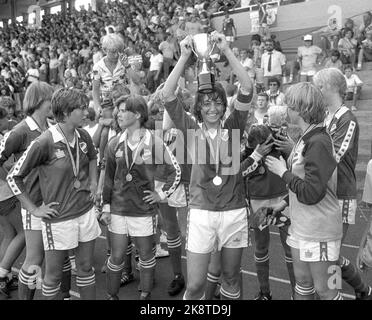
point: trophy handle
(214, 44)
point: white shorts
(30, 222)
(178, 199)
(133, 226)
(66, 235)
(313, 251)
(348, 210)
(256, 204)
(230, 38)
(310, 73)
(208, 231)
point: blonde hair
(36, 94)
(308, 101)
(112, 41)
(277, 115)
(332, 79)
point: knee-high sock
(230, 293)
(51, 292)
(113, 276)
(66, 278)
(147, 270)
(352, 276)
(338, 296)
(26, 285)
(262, 261)
(175, 252)
(128, 259)
(87, 286)
(304, 292)
(289, 263)
(211, 285)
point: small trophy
(202, 48)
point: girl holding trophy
(218, 216)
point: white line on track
(73, 293)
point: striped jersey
(15, 143)
(49, 154)
(125, 197)
(204, 193)
(343, 128)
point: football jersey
(49, 155)
(312, 181)
(204, 194)
(125, 197)
(15, 143)
(343, 128)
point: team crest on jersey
(308, 254)
(333, 128)
(59, 153)
(83, 147)
(146, 154)
(119, 154)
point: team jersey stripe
(346, 142)
(177, 167)
(16, 169)
(3, 142)
(250, 169)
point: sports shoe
(114, 297)
(353, 108)
(364, 296)
(160, 252)
(12, 284)
(4, 291)
(126, 278)
(176, 286)
(359, 67)
(263, 296)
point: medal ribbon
(135, 153)
(75, 165)
(215, 155)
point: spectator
(347, 46)
(276, 98)
(156, 63)
(309, 57)
(365, 54)
(228, 28)
(169, 52)
(334, 61)
(273, 63)
(354, 86)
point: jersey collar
(57, 136)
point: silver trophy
(202, 47)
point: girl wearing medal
(129, 204)
(218, 216)
(38, 108)
(65, 158)
(316, 224)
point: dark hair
(136, 104)
(348, 66)
(346, 30)
(263, 94)
(65, 101)
(3, 113)
(219, 92)
(274, 79)
(336, 53)
(91, 114)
